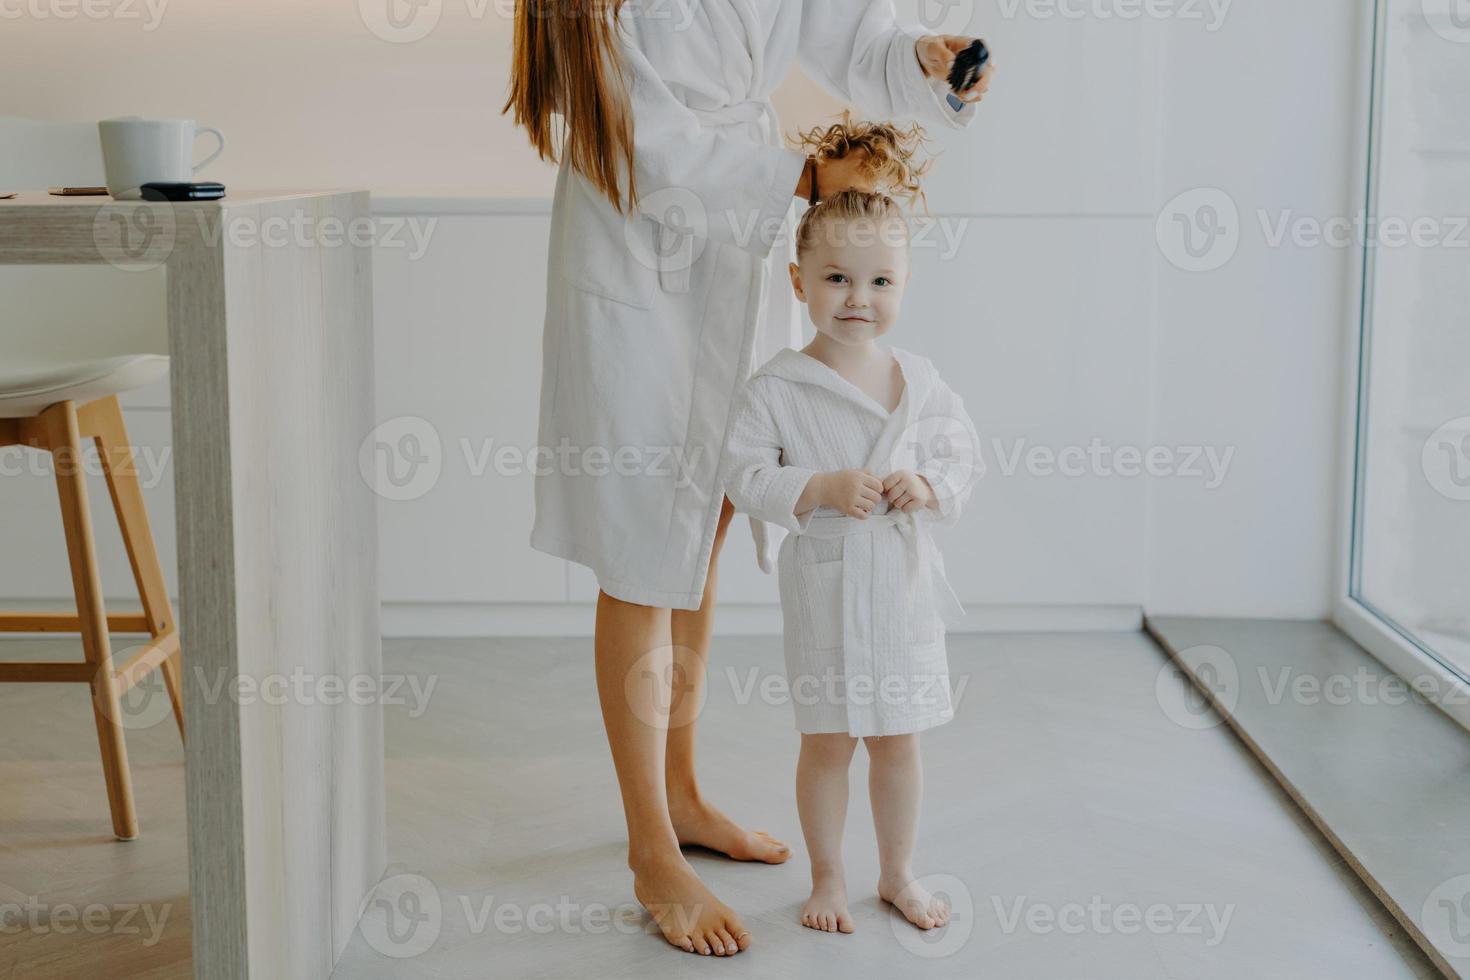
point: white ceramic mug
(136, 151)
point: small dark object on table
(206, 190)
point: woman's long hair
(567, 61)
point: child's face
(853, 278)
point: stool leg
(120, 466)
(65, 442)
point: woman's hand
(936, 54)
(835, 176)
(843, 174)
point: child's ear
(796, 280)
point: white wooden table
(270, 335)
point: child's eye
(882, 281)
(836, 277)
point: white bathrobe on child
(865, 600)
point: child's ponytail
(890, 161)
(891, 153)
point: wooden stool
(60, 429)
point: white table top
(37, 227)
(242, 197)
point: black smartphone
(966, 69)
(163, 190)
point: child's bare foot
(696, 822)
(687, 913)
(913, 900)
(827, 908)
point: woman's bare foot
(827, 908)
(913, 900)
(687, 913)
(696, 822)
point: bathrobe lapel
(891, 450)
(792, 365)
(897, 448)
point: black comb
(968, 65)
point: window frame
(1371, 628)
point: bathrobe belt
(919, 548)
(743, 112)
(674, 249)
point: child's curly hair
(864, 215)
(890, 161)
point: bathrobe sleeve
(755, 479)
(858, 52)
(953, 448)
(744, 187)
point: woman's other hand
(837, 175)
(936, 54)
(845, 173)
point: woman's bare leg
(634, 662)
(695, 820)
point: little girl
(856, 451)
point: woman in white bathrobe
(657, 308)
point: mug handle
(217, 150)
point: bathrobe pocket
(608, 254)
(821, 586)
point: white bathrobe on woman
(653, 320)
(864, 600)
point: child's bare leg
(695, 820)
(895, 783)
(821, 800)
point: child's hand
(854, 492)
(908, 491)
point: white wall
(1250, 355)
(1059, 318)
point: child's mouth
(859, 319)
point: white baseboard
(430, 619)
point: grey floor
(1074, 777)
(57, 853)
(1079, 817)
